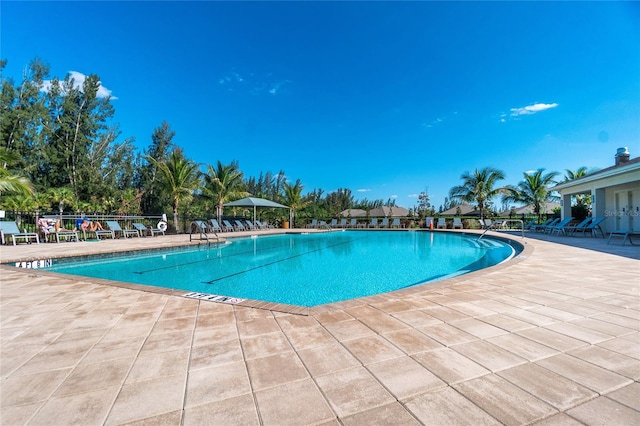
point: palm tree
(572, 175)
(534, 189)
(9, 181)
(223, 184)
(478, 187)
(292, 197)
(581, 199)
(63, 196)
(180, 179)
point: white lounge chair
(151, 230)
(115, 228)
(442, 223)
(10, 229)
(457, 223)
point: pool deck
(550, 338)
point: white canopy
(256, 202)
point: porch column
(566, 206)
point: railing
(501, 224)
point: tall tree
(22, 114)
(180, 179)
(292, 197)
(478, 187)
(223, 184)
(534, 189)
(78, 121)
(159, 150)
(580, 199)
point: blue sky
(383, 98)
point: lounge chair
(544, 227)
(571, 229)
(626, 235)
(214, 225)
(334, 223)
(442, 223)
(559, 227)
(115, 228)
(457, 223)
(151, 230)
(353, 223)
(263, 225)
(594, 227)
(10, 229)
(537, 227)
(384, 223)
(343, 223)
(395, 223)
(249, 225)
(228, 227)
(373, 223)
(313, 224)
(239, 226)
(488, 223)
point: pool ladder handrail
(488, 228)
(203, 232)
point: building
(615, 193)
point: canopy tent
(256, 202)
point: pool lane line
(279, 261)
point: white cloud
(413, 195)
(78, 81)
(531, 109)
(254, 84)
(394, 196)
(363, 190)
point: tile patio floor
(552, 338)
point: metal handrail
(521, 222)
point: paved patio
(552, 337)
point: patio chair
(594, 227)
(384, 223)
(115, 228)
(214, 225)
(544, 227)
(538, 226)
(239, 226)
(10, 229)
(313, 224)
(442, 223)
(249, 225)
(353, 223)
(395, 223)
(150, 230)
(457, 223)
(373, 223)
(227, 226)
(263, 225)
(334, 223)
(559, 227)
(571, 229)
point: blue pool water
(302, 269)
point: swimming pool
(301, 269)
